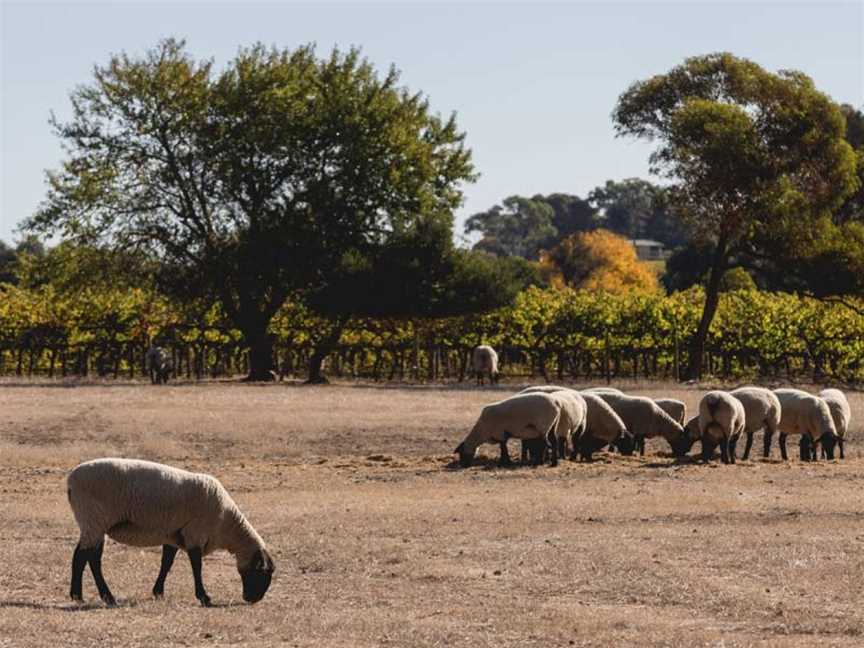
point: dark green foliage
(750, 154)
(517, 227)
(273, 178)
(636, 208)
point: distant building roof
(645, 243)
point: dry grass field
(379, 541)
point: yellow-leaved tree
(598, 260)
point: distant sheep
(484, 361)
(144, 504)
(603, 426)
(841, 413)
(159, 364)
(721, 422)
(644, 419)
(524, 416)
(673, 407)
(762, 412)
(809, 416)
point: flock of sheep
(548, 419)
(141, 503)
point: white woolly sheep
(762, 412)
(673, 407)
(603, 426)
(607, 390)
(144, 504)
(840, 412)
(571, 424)
(721, 422)
(484, 361)
(644, 419)
(524, 416)
(809, 416)
(158, 364)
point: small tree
(748, 152)
(254, 184)
(599, 260)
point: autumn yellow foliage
(599, 260)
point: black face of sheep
(626, 443)
(465, 457)
(828, 442)
(682, 445)
(257, 576)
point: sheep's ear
(460, 448)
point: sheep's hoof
(109, 601)
(205, 601)
(158, 594)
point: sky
(532, 84)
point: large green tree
(519, 226)
(636, 208)
(747, 151)
(251, 184)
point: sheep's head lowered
(256, 576)
(466, 456)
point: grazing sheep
(571, 424)
(607, 390)
(840, 412)
(762, 412)
(144, 504)
(484, 361)
(809, 416)
(159, 364)
(524, 416)
(674, 408)
(603, 426)
(644, 419)
(721, 422)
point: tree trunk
(321, 351)
(260, 358)
(712, 299)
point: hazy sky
(533, 84)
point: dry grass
(379, 542)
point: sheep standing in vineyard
(158, 364)
(484, 361)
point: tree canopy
(598, 260)
(269, 179)
(749, 155)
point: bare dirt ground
(379, 541)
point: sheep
(644, 419)
(841, 413)
(809, 416)
(159, 364)
(721, 421)
(607, 390)
(523, 416)
(603, 426)
(674, 408)
(143, 504)
(484, 360)
(762, 412)
(571, 424)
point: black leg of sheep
(195, 561)
(724, 450)
(747, 446)
(79, 562)
(767, 441)
(707, 451)
(168, 554)
(783, 452)
(95, 560)
(733, 445)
